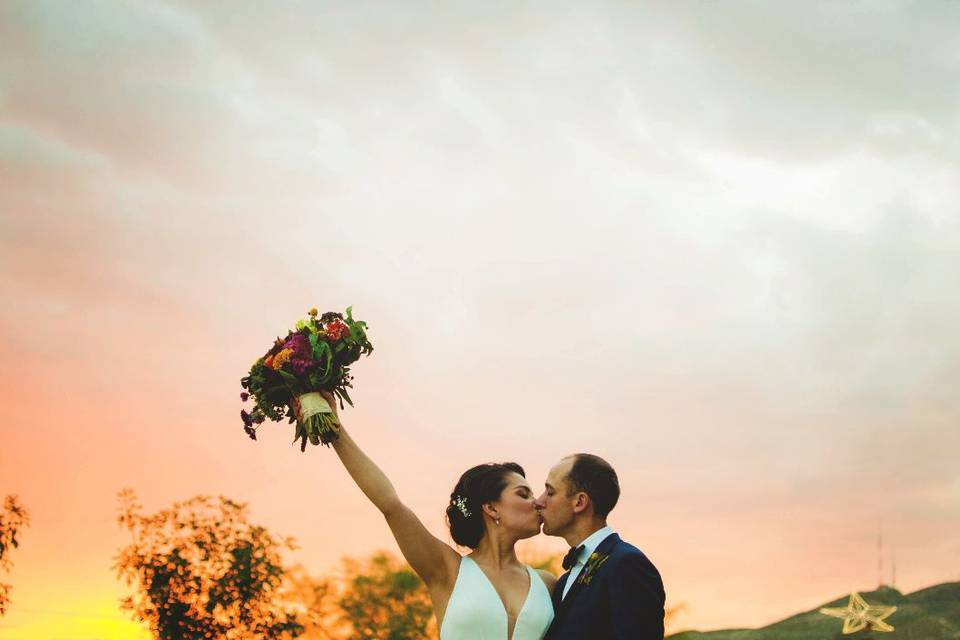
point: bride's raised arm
(433, 560)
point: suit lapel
(603, 548)
(558, 590)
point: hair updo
(477, 486)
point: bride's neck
(497, 551)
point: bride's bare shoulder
(548, 578)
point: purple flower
(300, 365)
(300, 346)
(244, 395)
(301, 358)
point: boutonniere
(595, 561)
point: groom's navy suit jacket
(622, 598)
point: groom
(610, 590)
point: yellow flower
(281, 358)
(313, 312)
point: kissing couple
(609, 590)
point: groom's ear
(580, 502)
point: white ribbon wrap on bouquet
(310, 404)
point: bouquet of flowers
(286, 381)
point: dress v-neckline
(503, 605)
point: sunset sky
(717, 244)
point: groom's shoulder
(623, 548)
(631, 566)
(624, 551)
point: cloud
(714, 241)
(23, 146)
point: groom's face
(555, 504)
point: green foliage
(200, 570)
(384, 599)
(317, 598)
(929, 614)
(13, 518)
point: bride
(487, 594)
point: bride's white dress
(475, 611)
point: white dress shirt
(589, 546)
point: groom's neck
(582, 529)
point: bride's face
(517, 507)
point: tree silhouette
(13, 519)
(316, 599)
(383, 599)
(200, 570)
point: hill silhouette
(928, 614)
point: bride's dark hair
(477, 486)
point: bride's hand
(332, 401)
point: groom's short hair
(595, 477)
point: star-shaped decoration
(859, 615)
